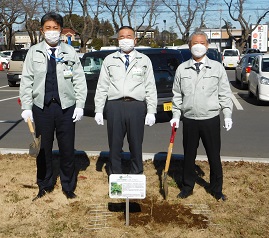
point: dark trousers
(125, 118)
(209, 132)
(51, 119)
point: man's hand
(27, 114)
(150, 119)
(174, 120)
(228, 123)
(78, 114)
(99, 118)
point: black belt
(126, 99)
(53, 100)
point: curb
(146, 156)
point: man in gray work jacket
(201, 90)
(53, 91)
(126, 90)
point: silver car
(258, 83)
(243, 69)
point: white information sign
(131, 186)
(259, 38)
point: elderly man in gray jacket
(201, 91)
(126, 91)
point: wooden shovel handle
(30, 125)
(170, 147)
(168, 158)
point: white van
(230, 58)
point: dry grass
(94, 214)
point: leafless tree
(133, 13)
(236, 12)
(185, 13)
(32, 24)
(90, 10)
(10, 13)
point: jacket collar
(207, 63)
(42, 47)
(117, 54)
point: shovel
(167, 163)
(34, 147)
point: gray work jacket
(72, 88)
(137, 82)
(201, 96)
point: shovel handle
(30, 125)
(173, 134)
(170, 147)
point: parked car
(4, 60)
(15, 67)
(243, 69)
(212, 52)
(230, 58)
(164, 61)
(250, 51)
(8, 53)
(258, 81)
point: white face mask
(126, 45)
(198, 50)
(52, 37)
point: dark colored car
(164, 61)
(250, 51)
(243, 69)
(15, 67)
(211, 53)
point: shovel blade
(34, 147)
(165, 185)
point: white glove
(174, 120)
(150, 119)
(99, 118)
(228, 123)
(27, 114)
(78, 114)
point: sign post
(127, 186)
(259, 38)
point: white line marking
(1, 121)
(6, 99)
(9, 90)
(236, 103)
(4, 86)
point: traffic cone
(1, 67)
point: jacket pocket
(186, 85)
(114, 72)
(210, 85)
(39, 65)
(138, 73)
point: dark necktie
(52, 58)
(197, 67)
(127, 61)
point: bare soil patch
(94, 214)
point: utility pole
(164, 32)
(220, 30)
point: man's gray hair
(197, 33)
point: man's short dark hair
(197, 33)
(52, 16)
(127, 27)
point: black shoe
(69, 194)
(219, 196)
(184, 194)
(40, 194)
(43, 192)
